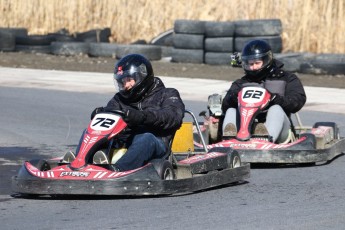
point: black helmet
(138, 68)
(257, 50)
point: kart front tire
(213, 133)
(164, 169)
(40, 164)
(234, 159)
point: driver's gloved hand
(95, 111)
(234, 98)
(134, 117)
(276, 99)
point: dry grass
(308, 25)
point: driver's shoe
(260, 129)
(68, 157)
(100, 158)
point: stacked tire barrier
(269, 30)
(213, 42)
(8, 38)
(219, 40)
(188, 41)
(94, 43)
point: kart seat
(183, 139)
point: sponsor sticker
(75, 174)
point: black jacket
(163, 107)
(289, 89)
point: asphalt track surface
(43, 114)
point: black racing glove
(134, 117)
(234, 99)
(276, 99)
(95, 111)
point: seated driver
(152, 112)
(287, 93)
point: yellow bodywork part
(183, 139)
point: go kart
(305, 145)
(182, 170)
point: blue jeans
(143, 148)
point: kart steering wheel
(116, 111)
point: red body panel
(251, 100)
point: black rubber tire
(292, 61)
(40, 164)
(62, 37)
(220, 44)
(7, 41)
(69, 48)
(187, 55)
(188, 41)
(35, 40)
(166, 51)
(164, 169)
(15, 31)
(214, 58)
(234, 159)
(329, 63)
(275, 42)
(329, 124)
(96, 35)
(213, 133)
(184, 26)
(260, 27)
(102, 49)
(46, 49)
(219, 29)
(151, 52)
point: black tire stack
(219, 39)
(213, 42)
(8, 38)
(188, 41)
(40, 43)
(34, 43)
(269, 30)
(151, 52)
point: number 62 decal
(256, 94)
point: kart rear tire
(40, 164)
(329, 124)
(167, 171)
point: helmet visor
(136, 73)
(249, 61)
